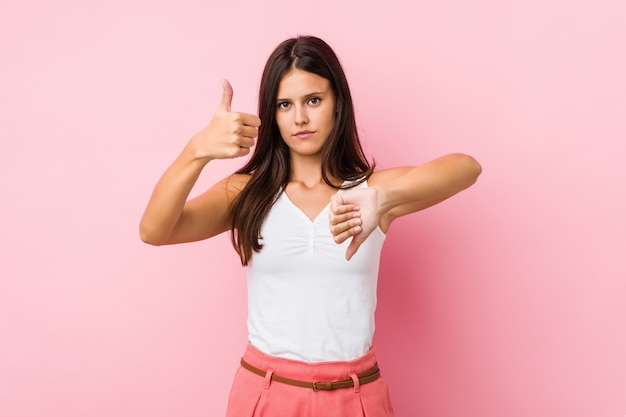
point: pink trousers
(256, 396)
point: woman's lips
(303, 134)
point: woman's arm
(409, 189)
(169, 217)
(396, 192)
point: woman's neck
(306, 170)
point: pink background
(508, 300)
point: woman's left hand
(354, 213)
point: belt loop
(268, 378)
(355, 379)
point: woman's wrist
(383, 201)
(195, 153)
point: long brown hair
(270, 165)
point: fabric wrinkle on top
(305, 300)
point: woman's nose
(300, 115)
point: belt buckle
(319, 385)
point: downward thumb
(353, 247)
(227, 96)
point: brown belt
(366, 377)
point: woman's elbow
(471, 168)
(475, 168)
(149, 236)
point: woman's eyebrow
(316, 93)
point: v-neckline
(303, 214)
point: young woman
(308, 216)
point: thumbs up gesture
(229, 134)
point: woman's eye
(283, 105)
(314, 100)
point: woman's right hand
(229, 134)
(169, 217)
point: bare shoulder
(234, 184)
(218, 198)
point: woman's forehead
(299, 83)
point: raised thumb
(227, 96)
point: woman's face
(305, 111)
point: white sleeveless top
(305, 301)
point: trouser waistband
(355, 380)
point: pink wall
(509, 300)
